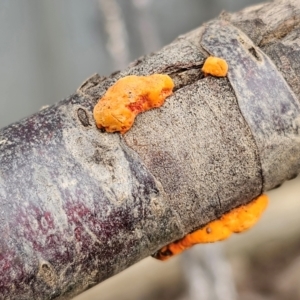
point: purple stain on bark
(65, 229)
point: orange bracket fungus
(215, 66)
(129, 96)
(235, 221)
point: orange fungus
(237, 220)
(129, 96)
(215, 66)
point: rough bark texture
(78, 205)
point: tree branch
(79, 205)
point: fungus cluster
(235, 221)
(215, 66)
(129, 96)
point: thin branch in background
(208, 274)
(117, 44)
(146, 24)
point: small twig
(146, 25)
(117, 44)
(208, 273)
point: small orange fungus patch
(130, 95)
(237, 220)
(215, 66)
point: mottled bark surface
(78, 205)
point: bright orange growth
(130, 95)
(237, 220)
(215, 66)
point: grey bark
(78, 205)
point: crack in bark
(186, 76)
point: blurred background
(49, 47)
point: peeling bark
(78, 205)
